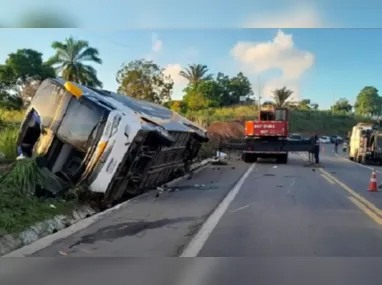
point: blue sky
(320, 64)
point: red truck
(267, 137)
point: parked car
(324, 139)
(338, 138)
(296, 137)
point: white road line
(196, 244)
(239, 209)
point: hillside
(229, 122)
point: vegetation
(196, 73)
(20, 208)
(281, 97)
(8, 137)
(70, 58)
(144, 80)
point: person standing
(336, 145)
(317, 150)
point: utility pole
(259, 92)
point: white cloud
(156, 47)
(279, 54)
(297, 17)
(157, 44)
(180, 82)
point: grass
(12, 117)
(8, 138)
(20, 208)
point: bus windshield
(81, 123)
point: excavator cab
(273, 114)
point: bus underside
(151, 162)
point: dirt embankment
(225, 130)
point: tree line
(23, 71)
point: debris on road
(316, 165)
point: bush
(11, 116)
(8, 140)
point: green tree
(306, 104)
(22, 67)
(195, 100)
(368, 102)
(314, 106)
(145, 80)
(282, 97)
(196, 73)
(223, 81)
(21, 70)
(177, 106)
(71, 61)
(239, 86)
(210, 91)
(342, 106)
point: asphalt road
(153, 227)
(292, 211)
(299, 225)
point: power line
(109, 40)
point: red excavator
(267, 137)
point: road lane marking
(198, 241)
(366, 210)
(239, 209)
(361, 199)
(328, 179)
(290, 186)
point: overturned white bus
(114, 144)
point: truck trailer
(267, 137)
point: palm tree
(70, 61)
(195, 73)
(282, 97)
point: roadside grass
(20, 208)
(8, 138)
(10, 116)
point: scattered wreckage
(113, 144)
